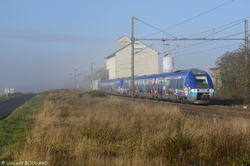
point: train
(189, 86)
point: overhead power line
(223, 29)
(204, 42)
(208, 50)
(192, 18)
(156, 28)
(200, 14)
(213, 29)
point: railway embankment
(224, 110)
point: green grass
(18, 125)
(4, 98)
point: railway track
(215, 111)
(208, 111)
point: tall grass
(15, 128)
(77, 129)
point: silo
(168, 63)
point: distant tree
(233, 74)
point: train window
(178, 84)
(148, 88)
(140, 88)
(159, 88)
(201, 80)
(170, 84)
(126, 85)
(182, 81)
(175, 84)
(116, 85)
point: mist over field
(43, 42)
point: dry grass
(74, 129)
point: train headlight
(211, 90)
(194, 90)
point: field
(76, 128)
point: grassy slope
(15, 128)
(3, 98)
(76, 129)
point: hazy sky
(42, 42)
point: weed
(94, 93)
(15, 128)
(77, 129)
(241, 161)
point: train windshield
(201, 80)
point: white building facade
(168, 64)
(146, 60)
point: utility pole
(132, 57)
(247, 63)
(164, 47)
(75, 75)
(164, 50)
(92, 69)
(246, 35)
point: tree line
(234, 75)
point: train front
(199, 87)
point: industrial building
(146, 60)
(168, 64)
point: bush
(96, 93)
(233, 72)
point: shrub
(96, 93)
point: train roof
(194, 71)
(187, 70)
(113, 80)
(147, 76)
(178, 72)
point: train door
(167, 86)
(159, 89)
(144, 87)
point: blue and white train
(192, 86)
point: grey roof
(113, 54)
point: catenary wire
(192, 18)
(156, 28)
(209, 49)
